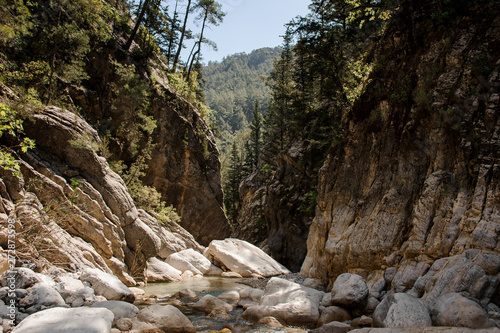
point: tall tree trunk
(170, 42)
(197, 53)
(137, 24)
(183, 32)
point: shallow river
(213, 286)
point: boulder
(185, 294)
(213, 306)
(189, 260)
(251, 293)
(120, 309)
(41, 295)
(270, 321)
(231, 297)
(288, 302)
(333, 327)
(158, 271)
(67, 320)
(474, 272)
(350, 291)
(214, 271)
(20, 278)
(453, 309)
(333, 313)
(402, 311)
(362, 321)
(167, 318)
(72, 289)
(244, 258)
(233, 275)
(107, 285)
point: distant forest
(233, 85)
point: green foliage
(84, 141)
(10, 124)
(260, 222)
(231, 188)
(234, 84)
(168, 214)
(309, 203)
(51, 41)
(131, 105)
(14, 20)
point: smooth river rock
(168, 318)
(120, 309)
(288, 302)
(67, 320)
(402, 311)
(244, 258)
(350, 291)
(189, 260)
(159, 271)
(455, 310)
(107, 285)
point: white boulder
(67, 320)
(189, 260)
(120, 309)
(107, 285)
(158, 271)
(288, 302)
(244, 258)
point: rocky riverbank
(95, 301)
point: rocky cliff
(72, 211)
(411, 199)
(185, 168)
(277, 207)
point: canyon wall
(417, 177)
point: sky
(250, 25)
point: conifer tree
(255, 135)
(231, 192)
(211, 13)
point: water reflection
(213, 286)
(201, 286)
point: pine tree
(255, 135)
(211, 13)
(231, 192)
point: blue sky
(251, 24)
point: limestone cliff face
(73, 211)
(418, 177)
(185, 168)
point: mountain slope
(233, 85)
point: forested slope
(85, 122)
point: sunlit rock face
(79, 209)
(244, 258)
(417, 178)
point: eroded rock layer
(417, 178)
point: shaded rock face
(277, 212)
(417, 178)
(185, 169)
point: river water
(213, 286)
